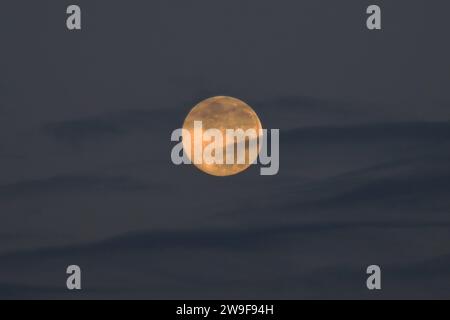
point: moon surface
(221, 113)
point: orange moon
(221, 113)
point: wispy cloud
(72, 183)
(159, 254)
(232, 239)
(406, 131)
(111, 124)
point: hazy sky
(86, 176)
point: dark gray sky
(86, 176)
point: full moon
(221, 113)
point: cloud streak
(110, 125)
(72, 183)
(378, 132)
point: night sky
(86, 176)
